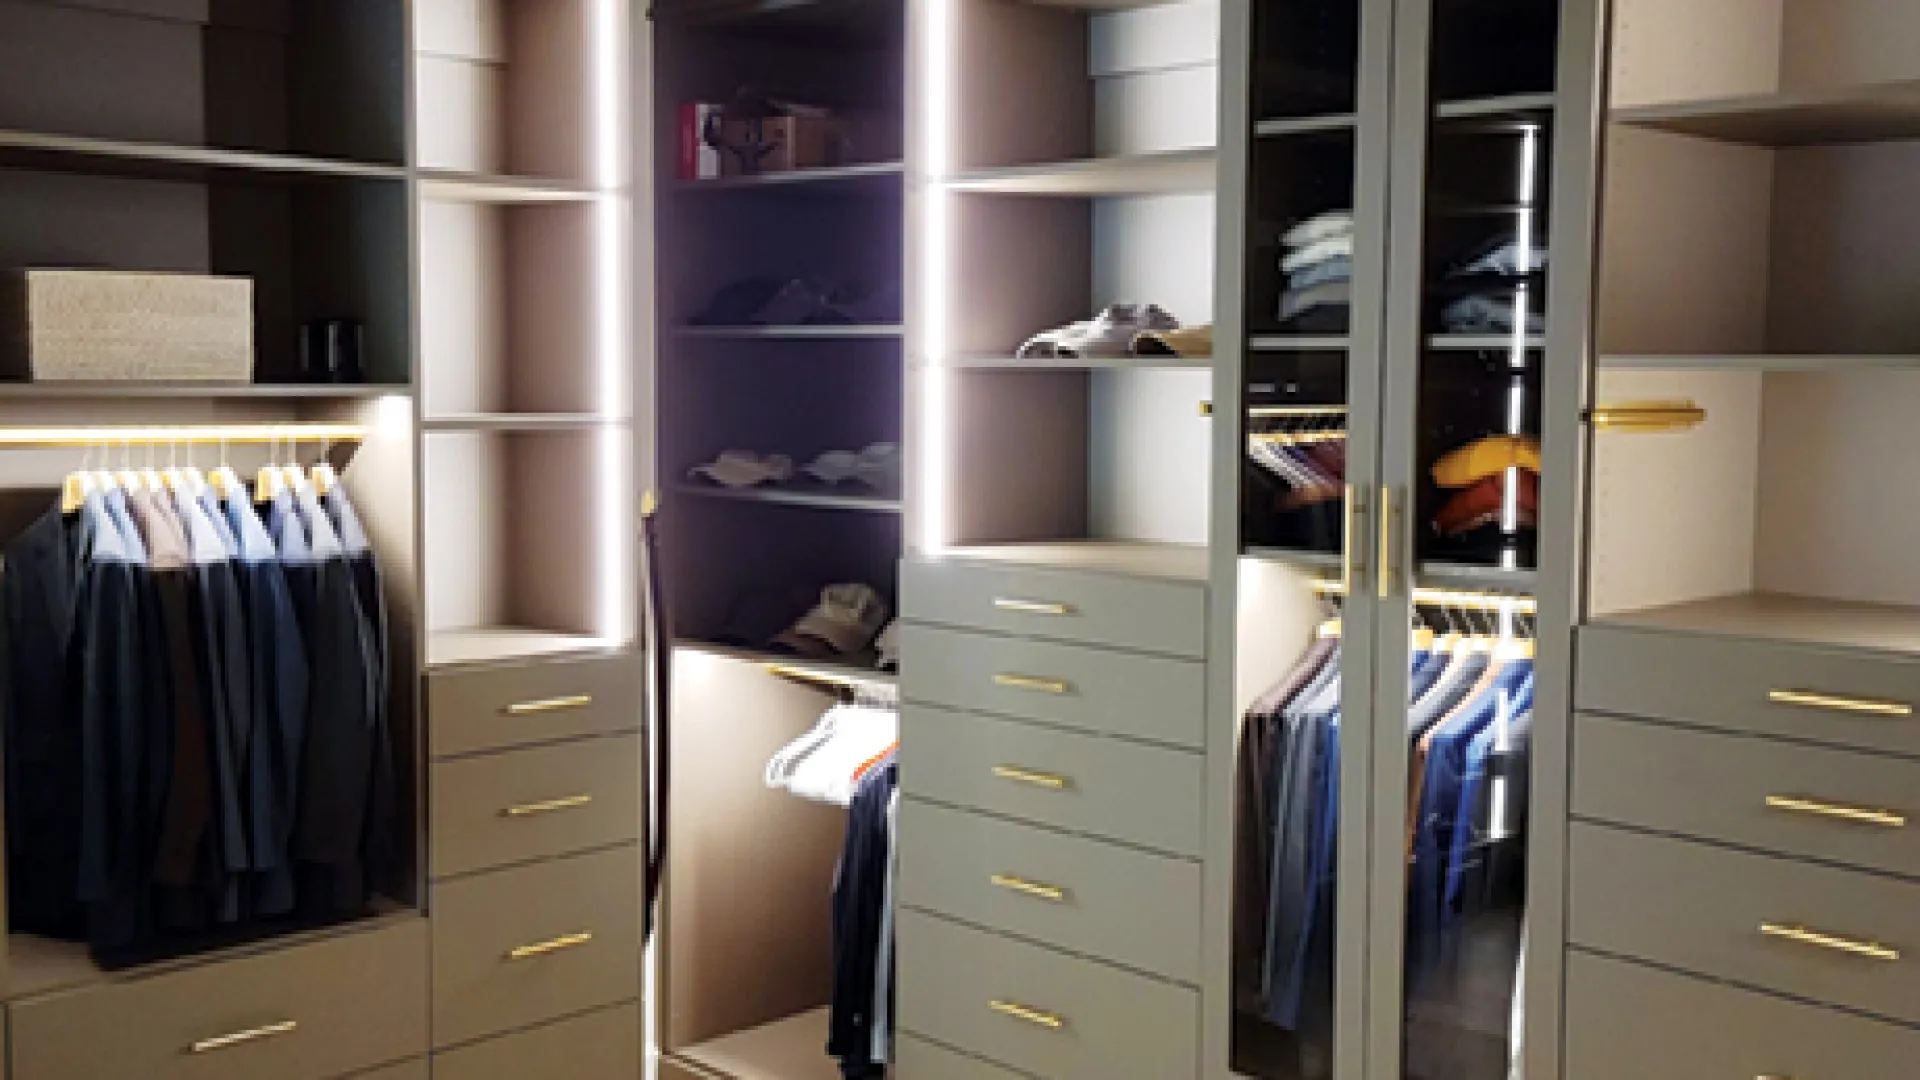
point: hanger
(1422, 633)
(1519, 646)
(150, 476)
(78, 485)
(127, 477)
(271, 480)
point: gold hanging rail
(1295, 438)
(831, 678)
(182, 434)
(1644, 417)
(1458, 598)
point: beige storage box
(96, 325)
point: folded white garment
(1317, 252)
(1320, 227)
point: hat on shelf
(744, 468)
(1108, 335)
(1192, 343)
(842, 624)
(877, 466)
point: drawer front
(1834, 805)
(533, 803)
(1093, 609)
(598, 1046)
(406, 1070)
(1123, 791)
(923, 1060)
(1802, 692)
(1794, 928)
(528, 945)
(1039, 1011)
(498, 707)
(325, 1009)
(1081, 895)
(1114, 693)
(1625, 1020)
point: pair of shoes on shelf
(1119, 330)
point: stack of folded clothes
(1480, 477)
(1318, 265)
(1499, 289)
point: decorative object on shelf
(1111, 333)
(100, 325)
(331, 351)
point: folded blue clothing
(1505, 256)
(1338, 268)
(1483, 313)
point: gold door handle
(551, 806)
(1051, 893)
(1647, 417)
(1035, 1017)
(547, 705)
(264, 1031)
(1808, 699)
(544, 948)
(1031, 607)
(1390, 528)
(1866, 950)
(1795, 804)
(1051, 781)
(1353, 563)
(1034, 683)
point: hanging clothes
(862, 1009)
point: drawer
(528, 804)
(406, 1070)
(1625, 1020)
(324, 1009)
(1081, 895)
(493, 708)
(524, 946)
(1039, 1011)
(1113, 610)
(923, 1060)
(1834, 805)
(1091, 689)
(1702, 909)
(1823, 695)
(1123, 791)
(604, 1045)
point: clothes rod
(181, 435)
(834, 679)
(1478, 601)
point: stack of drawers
(535, 809)
(1050, 826)
(1744, 865)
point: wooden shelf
(444, 185)
(790, 1049)
(1110, 363)
(1127, 558)
(1305, 125)
(879, 175)
(1141, 174)
(207, 391)
(1764, 362)
(506, 644)
(821, 332)
(1873, 113)
(1800, 620)
(510, 422)
(165, 161)
(809, 498)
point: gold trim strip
(1639, 417)
(1035, 1017)
(543, 948)
(1031, 607)
(1051, 781)
(1808, 699)
(1033, 682)
(1051, 893)
(547, 705)
(264, 1031)
(1866, 950)
(1795, 804)
(1390, 511)
(551, 806)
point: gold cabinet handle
(1353, 563)
(1051, 781)
(1390, 528)
(1866, 950)
(1647, 417)
(1050, 893)
(1796, 804)
(547, 705)
(1034, 683)
(551, 806)
(1035, 1017)
(544, 948)
(238, 1038)
(1032, 607)
(1808, 699)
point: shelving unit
(837, 180)
(1875, 112)
(813, 499)
(822, 332)
(1165, 173)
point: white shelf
(501, 644)
(850, 499)
(1128, 558)
(873, 174)
(1764, 362)
(167, 161)
(1872, 113)
(1305, 125)
(790, 1049)
(1140, 174)
(809, 332)
(1298, 342)
(510, 421)
(1110, 363)
(825, 670)
(446, 185)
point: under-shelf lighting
(938, 43)
(607, 92)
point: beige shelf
(824, 671)
(790, 1049)
(1130, 558)
(1799, 620)
(448, 185)
(1763, 362)
(1873, 113)
(1140, 174)
(492, 645)
(1109, 363)
(167, 161)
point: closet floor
(790, 1049)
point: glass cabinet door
(1314, 283)
(1466, 325)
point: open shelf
(1773, 617)
(451, 185)
(1872, 113)
(1438, 574)
(1172, 172)
(1319, 563)
(1761, 362)
(1485, 342)
(790, 1049)
(510, 421)
(826, 670)
(1504, 107)
(812, 499)
(204, 391)
(164, 161)
(1128, 558)
(499, 644)
(836, 177)
(1297, 342)
(1108, 363)
(821, 332)
(1305, 125)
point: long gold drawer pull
(1051, 781)
(1808, 699)
(1795, 804)
(543, 948)
(1867, 950)
(551, 806)
(1644, 417)
(552, 704)
(1031, 607)
(238, 1038)
(1051, 893)
(1034, 683)
(1032, 1016)
(1773, 1076)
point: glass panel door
(1466, 326)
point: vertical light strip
(613, 464)
(938, 47)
